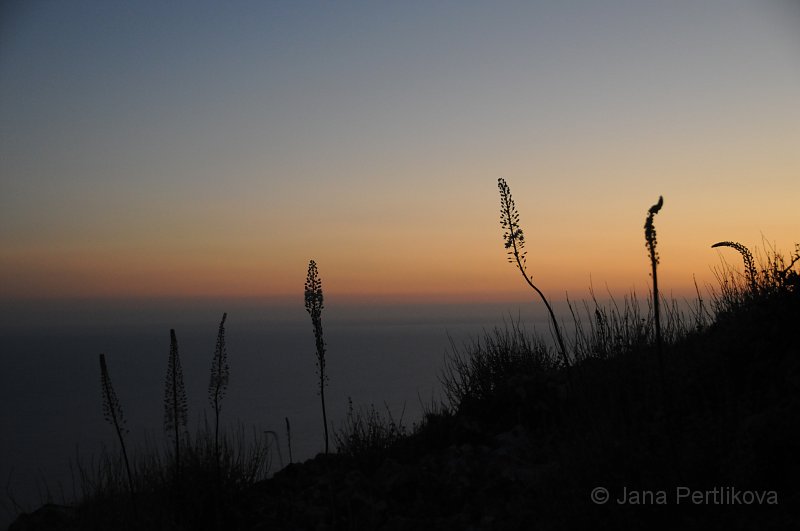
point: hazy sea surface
(50, 381)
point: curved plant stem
(113, 414)
(515, 243)
(747, 258)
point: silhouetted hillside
(521, 445)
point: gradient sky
(213, 148)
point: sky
(211, 149)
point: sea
(382, 354)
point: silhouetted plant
(771, 274)
(787, 276)
(515, 243)
(313, 298)
(275, 438)
(218, 383)
(700, 314)
(475, 372)
(113, 414)
(747, 257)
(244, 457)
(289, 438)
(776, 274)
(175, 405)
(366, 433)
(650, 243)
(621, 328)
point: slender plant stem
(324, 414)
(515, 240)
(556, 328)
(220, 373)
(289, 437)
(657, 310)
(114, 415)
(651, 243)
(314, 301)
(175, 412)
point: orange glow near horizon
(439, 255)
(401, 274)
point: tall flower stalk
(515, 243)
(313, 299)
(747, 257)
(112, 411)
(218, 382)
(650, 243)
(175, 404)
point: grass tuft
(368, 432)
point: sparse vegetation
(366, 433)
(196, 488)
(774, 274)
(515, 441)
(237, 458)
(474, 373)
